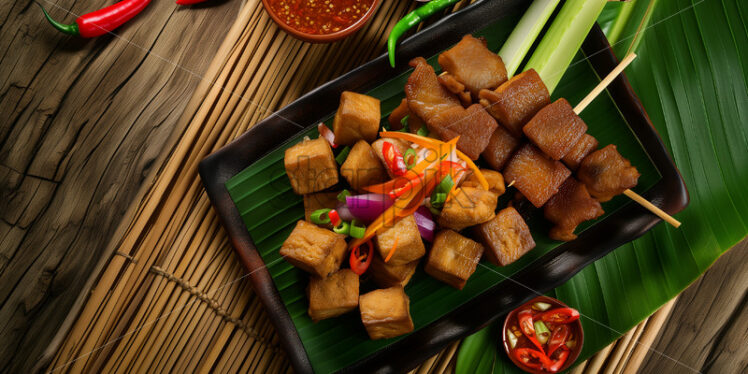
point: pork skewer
(587, 100)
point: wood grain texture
(83, 125)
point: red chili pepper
(360, 261)
(532, 358)
(560, 315)
(394, 159)
(558, 363)
(558, 338)
(334, 218)
(528, 328)
(101, 21)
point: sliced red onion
(368, 207)
(425, 223)
(326, 133)
(344, 213)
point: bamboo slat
(174, 297)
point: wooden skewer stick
(604, 83)
(587, 100)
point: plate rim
(556, 267)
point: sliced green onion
(343, 228)
(423, 131)
(541, 306)
(438, 199)
(440, 192)
(512, 339)
(433, 210)
(542, 332)
(524, 34)
(404, 122)
(340, 158)
(410, 158)
(321, 216)
(343, 194)
(357, 229)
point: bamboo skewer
(587, 100)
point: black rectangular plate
(544, 274)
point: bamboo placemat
(174, 296)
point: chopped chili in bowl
(320, 17)
(543, 336)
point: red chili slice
(393, 159)
(532, 358)
(334, 218)
(528, 328)
(557, 363)
(560, 315)
(360, 261)
(558, 338)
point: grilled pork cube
(494, 178)
(473, 125)
(501, 146)
(474, 65)
(568, 208)
(506, 237)
(313, 249)
(385, 274)
(310, 166)
(362, 167)
(454, 86)
(606, 173)
(586, 144)
(400, 145)
(453, 258)
(427, 98)
(404, 233)
(357, 118)
(555, 129)
(468, 206)
(332, 296)
(535, 175)
(517, 100)
(319, 200)
(386, 313)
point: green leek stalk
(524, 34)
(563, 39)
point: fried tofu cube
(568, 208)
(501, 147)
(555, 129)
(332, 296)
(453, 258)
(405, 236)
(401, 145)
(319, 200)
(517, 100)
(467, 206)
(310, 166)
(473, 125)
(606, 173)
(535, 175)
(386, 313)
(362, 167)
(506, 238)
(494, 178)
(586, 144)
(386, 274)
(474, 65)
(357, 118)
(313, 249)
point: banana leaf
(692, 78)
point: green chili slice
(343, 228)
(357, 229)
(321, 216)
(410, 157)
(343, 194)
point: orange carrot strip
(392, 251)
(471, 165)
(413, 138)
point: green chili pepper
(343, 228)
(410, 157)
(343, 194)
(411, 20)
(357, 229)
(340, 158)
(321, 216)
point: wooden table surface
(86, 124)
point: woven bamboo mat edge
(171, 286)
